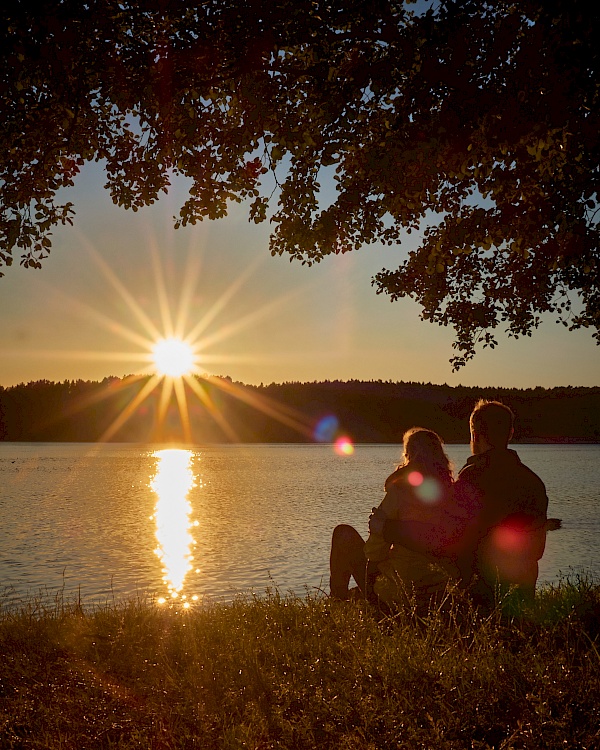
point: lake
(185, 525)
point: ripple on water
(79, 517)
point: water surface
(182, 525)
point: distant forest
(222, 411)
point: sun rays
(175, 343)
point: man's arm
(417, 536)
(450, 536)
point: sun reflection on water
(172, 483)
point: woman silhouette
(419, 490)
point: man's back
(508, 506)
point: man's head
(491, 426)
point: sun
(173, 357)
(170, 355)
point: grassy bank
(281, 672)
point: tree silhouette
(474, 122)
(367, 412)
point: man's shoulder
(497, 465)
(514, 463)
(495, 459)
(474, 466)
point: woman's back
(414, 494)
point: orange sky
(117, 280)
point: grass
(286, 672)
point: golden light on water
(172, 483)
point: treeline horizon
(224, 411)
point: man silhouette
(495, 526)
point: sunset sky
(115, 280)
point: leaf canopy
(475, 123)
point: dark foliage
(369, 412)
(475, 122)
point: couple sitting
(486, 529)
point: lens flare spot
(429, 491)
(415, 478)
(507, 539)
(344, 446)
(326, 428)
